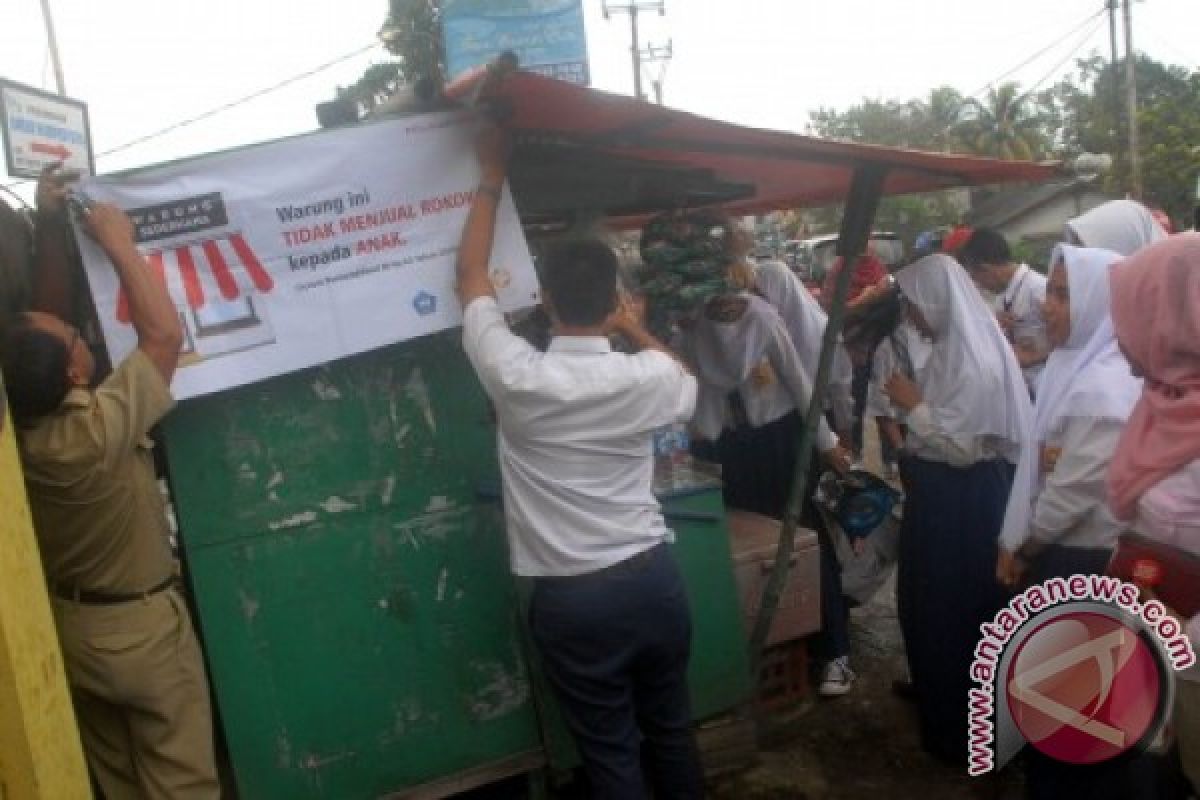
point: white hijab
(724, 354)
(804, 317)
(1086, 377)
(972, 380)
(1121, 226)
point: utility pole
(1135, 163)
(1115, 67)
(52, 43)
(633, 8)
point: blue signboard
(546, 35)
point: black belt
(88, 597)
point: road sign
(42, 128)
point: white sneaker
(838, 678)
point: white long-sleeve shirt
(1071, 507)
(1023, 299)
(574, 442)
(887, 363)
(726, 352)
(806, 321)
(927, 439)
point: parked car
(811, 258)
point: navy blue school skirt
(946, 587)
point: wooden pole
(859, 212)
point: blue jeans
(615, 647)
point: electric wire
(1055, 43)
(224, 107)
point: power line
(1055, 43)
(225, 107)
(1070, 54)
(235, 103)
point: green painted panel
(354, 598)
(719, 672)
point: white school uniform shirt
(574, 442)
(887, 363)
(806, 322)
(1023, 298)
(1087, 393)
(725, 355)
(1169, 511)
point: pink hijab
(1156, 313)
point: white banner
(291, 254)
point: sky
(143, 66)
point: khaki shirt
(96, 505)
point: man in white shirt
(608, 612)
(1017, 293)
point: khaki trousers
(141, 697)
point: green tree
(1170, 148)
(1168, 122)
(926, 123)
(936, 121)
(1005, 124)
(412, 34)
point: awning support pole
(857, 216)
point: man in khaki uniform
(133, 662)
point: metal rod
(859, 212)
(52, 43)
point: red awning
(776, 170)
(203, 269)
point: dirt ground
(862, 746)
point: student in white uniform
(608, 611)
(905, 351)
(1058, 522)
(806, 321)
(1122, 226)
(751, 403)
(1017, 293)
(1154, 480)
(967, 419)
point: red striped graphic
(262, 280)
(220, 270)
(218, 265)
(191, 281)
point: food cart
(340, 525)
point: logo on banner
(1079, 668)
(212, 273)
(425, 303)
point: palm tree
(936, 120)
(1002, 125)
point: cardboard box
(754, 540)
